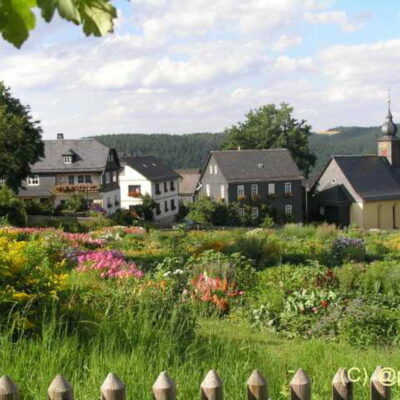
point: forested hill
(178, 151)
(190, 150)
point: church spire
(389, 128)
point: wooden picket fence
(211, 388)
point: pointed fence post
(164, 388)
(380, 389)
(112, 388)
(212, 388)
(60, 389)
(8, 389)
(257, 386)
(300, 386)
(342, 387)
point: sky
(179, 66)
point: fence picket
(342, 387)
(300, 386)
(164, 388)
(212, 387)
(112, 388)
(379, 387)
(257, 386)
(8, 389)
(60, 389)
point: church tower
(389, 143)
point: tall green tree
(20, 139)
(274, 127)
(17, 17)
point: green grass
(137, 355)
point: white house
(149, 175)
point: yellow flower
(21, 296)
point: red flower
(324, 303)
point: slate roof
(89, 155)
(189, 181)
(372, 177)
(150, 167)
(256, 165)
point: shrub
(364, 326)
(12, 207)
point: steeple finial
(389, 104)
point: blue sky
(175, 66)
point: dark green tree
(274, 127)
(20, 139)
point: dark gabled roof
(189, 181)
(150, 167)
(88, 155)
(372, 177)
(256, 165)
(334, 195)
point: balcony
(79, 188)
(134, 194)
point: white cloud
(286, 41)
(333, 17)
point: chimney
(60, 136)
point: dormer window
(67, 159)
(111, 157)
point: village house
(255, 177)
(362, 189)
(75, 167)
(188, 184)
(149, 175)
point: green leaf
(97, 17)
(69, 10)
(47, 7)
(17, 20)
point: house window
(33, 180)
(71, 179)
(240, 192)
(158, 209)
(107, 177)
(88, 179)
(67, 159)
(165, 187)
(215, 169)
(211, 169)
(241, 212)
(173, 207)
(116, 200)
(134, 191)
(2, 181)
(288, 209)
(321, 210)
(254, 190)
(81, 179)
(254, 213)
(288, 187)
(166, 206)
(222, 192)
(172, 186)
(111, 157)
(158, 188)
(109, 204)
(114, 176)
(208, 190)
(271, 188)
